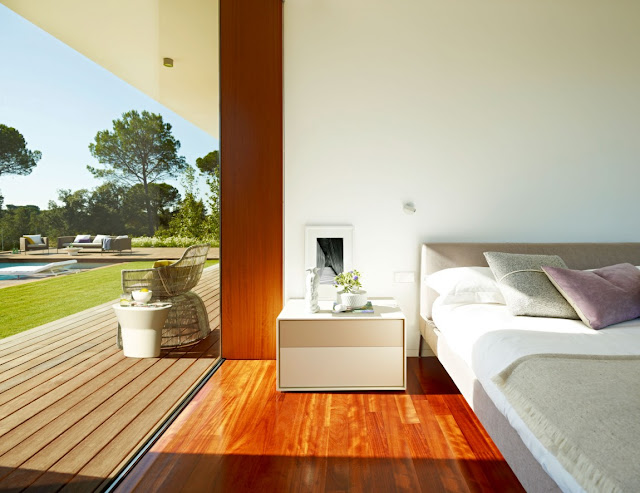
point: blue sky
(59, 100)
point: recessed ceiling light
(167, 62)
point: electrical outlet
(407, 277)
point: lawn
(31, 304)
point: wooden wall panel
(251, 157)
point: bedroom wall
(500, 120)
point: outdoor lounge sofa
(103, 243)
(41, 243)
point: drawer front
(341, 333)
(341, 367)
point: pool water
(79, 265)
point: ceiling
(131, 38)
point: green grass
(35, 303)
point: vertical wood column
(251, 157)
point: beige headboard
(437, 256)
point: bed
(479, 343)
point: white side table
(141, 328)
(345, 351)
(72, 251)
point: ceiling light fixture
(167, 62)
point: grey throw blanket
(585, 410)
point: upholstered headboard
(437, 256)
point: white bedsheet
(488, 338)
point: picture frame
(330, 248)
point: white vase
(353, 300)
(311, 293)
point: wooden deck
(73, 409)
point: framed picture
(330, 249)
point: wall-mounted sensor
(409, 208)
(167, 62)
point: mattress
(488, 339)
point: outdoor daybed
(104, 243)
(53, 268)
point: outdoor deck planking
(73, 409)
(44, 340)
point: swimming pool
(78, 266)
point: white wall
(501, 120)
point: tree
(164, 200)
(15, 158)
(71, 217)
(140, 149)
(190, 219)
(17, 221)
(106, 210)
(210, 166)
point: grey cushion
(526, 288)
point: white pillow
(99, 238)
(466, 285)
(82, 237)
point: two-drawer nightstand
(341, 351)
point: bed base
(436, 256)
(526, 468)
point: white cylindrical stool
(141, 328)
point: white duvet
(488, 338)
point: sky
(58, 100)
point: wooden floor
(240, 435)
(73, 409)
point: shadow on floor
(277, 473)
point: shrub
(171, 241)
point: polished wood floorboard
(239, 434)
(73, 409)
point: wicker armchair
(188, 321)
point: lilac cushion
(601, 297)
(83, 240)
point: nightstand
(341, 351)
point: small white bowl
(142, 296)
